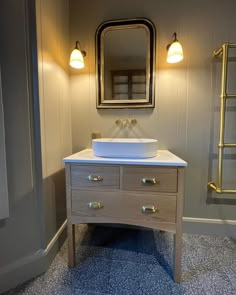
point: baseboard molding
(207, 226)
(30, 266)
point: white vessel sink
(125, 147)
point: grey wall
(55, 106)
(24, 227)
(185, 119)
(36, 201)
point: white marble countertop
(163, 158)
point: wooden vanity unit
(142, 192)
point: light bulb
(76, 59)
(175, 53)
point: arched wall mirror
(125, 64)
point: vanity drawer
(95, 176)
(123, 207)
(151, 179)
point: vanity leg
(178, 232)
(71, 244)
(177, 256)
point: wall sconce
(175, 50)
(77, 57)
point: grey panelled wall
(55, 119)
(185, 119)
(24, 226)
(4, 204)
(25, 250)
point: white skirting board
(205, 226)
(30, 266)
(4, 203)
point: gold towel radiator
(223, 51)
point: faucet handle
(133, 122)
(118, 122)
(126, 122)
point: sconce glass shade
(76, 59)
(175, 52)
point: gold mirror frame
(147, 25)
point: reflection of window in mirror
(128, 84)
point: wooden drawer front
(108, 177)
(123, 207)
(165, 178)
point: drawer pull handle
(149, 209)
(95, 178)
(95, 205)
(149, 181)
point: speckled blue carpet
(135, 261)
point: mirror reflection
(125, 64)
(124, 67)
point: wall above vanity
(184, 92)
